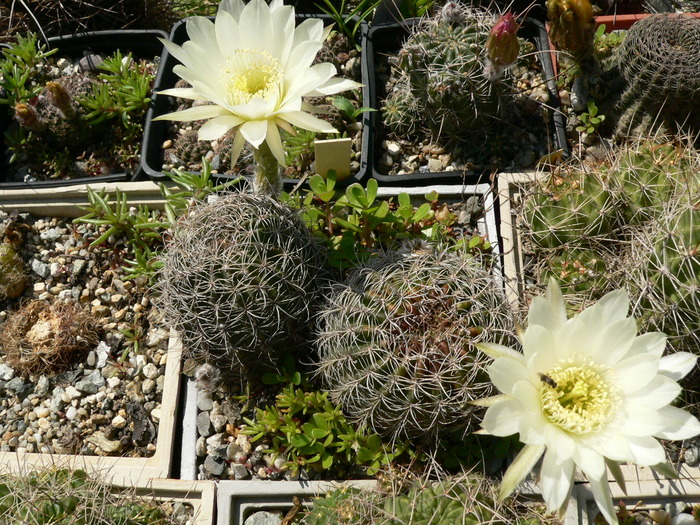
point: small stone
(204, 401)
(42, 412)
(40, 268)
(435, 165)
(204, 426)
(105, 445)
(156, 337)
(42, 386)
(167, 144)
(218, 421)
(200, 447)
(87, 387)
(386, 160)
(6, 372)
(150, 371)
(155, 414)
(118, 421)
(72, 392)
(692, 456)
(214, 465)
(239, 471)
(393, 148)
(72, 412)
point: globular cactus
(396, 343)
(570, 209)
(443, 64)
(662, 263)
(42, 338)
(239, 281)
(577, 270)
(659, 61)
(13, 276)
(466, 499)
(189, 149)
(401, 109)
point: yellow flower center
(578, 397)
(252, 73)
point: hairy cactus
(239, 281)
(568, 209)
(663, 264)
(13, 277)
(43, 338)
(660, 63)
(443, 63)
(397, 343)
(466, 499)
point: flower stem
(267, 175)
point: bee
(548, 380)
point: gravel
(109, 403)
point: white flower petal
(589, 461)
(557, 480)
(215, 128)
(495, 351)
(603, 498)
(306, 121)
(548, 311)
(677, 365)
(679, 424)
(502, 419)
(335, 85)
(644, 421)
(562, 441)
(195, 113)
(254, 131)
(236, 147)
(275, 142)
(613, 341)
(658, 393)
(309, 29)
(521, 466)
(233, 7)
(613, 446)
(201, 30)
(616, 305)
(646, 450)
(653, 343)
(187, 93)
(539, 348)
(505, 372)
(635, 373)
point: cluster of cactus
(467, 499)
(571, 26)
(397, 340)
(239, 280)
(442, 79)
(634, 224)
(43, 338)
(64, 497)
(659, 61)
(13, 276)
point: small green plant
(18, 69)
(590, 120)
(345, 18)
(356, 222)
(347, 109)
(311, 432)
(605, 43)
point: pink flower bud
(502, 46)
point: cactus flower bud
(60, 98)
(502, 45)
(28, 117)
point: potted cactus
(458, 109)
(74, 109)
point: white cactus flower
(587, 392)
(254, 67)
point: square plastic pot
(141, 43)
(156, 132)
(387, 38)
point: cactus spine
(239, 280)
(443, 63)
(396, 343)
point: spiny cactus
(13, 277)
(189, 149)
(573, 208)
(467, 499)
(397, 343)
(660, 63)
(443, 64)
(43, 338)
(663, 264)
(571, 26)
(239, 281)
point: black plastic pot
(156, 132)
(388, 38)
(143, 44)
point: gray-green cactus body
(442, 63)
(397, 343)
(240, 280)
(660, 63)
(13, 276)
